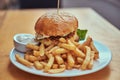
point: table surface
(23, 21)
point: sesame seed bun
(52, 24)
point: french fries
(54, 71)
(42, 49)
(90, 65)
(32, 46)
(49, 64)
(36, 53)
(54, 48)
(87, 58)
(49, 47)
(38, 65)
(59, 59)
(77, 66)
(79, 60)
(79, 53)
(32, 58)
(23, 61)
(59, 51)
(55, 66)
(76, 50)
(94, 49)
(70, 60)
(86, 43)
(65, 54)
(67, 46)
(62, 40)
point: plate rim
(52, 75)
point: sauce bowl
(21, 40)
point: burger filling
(55, 39)
(41, 37)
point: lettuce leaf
(81, 34)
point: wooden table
(23, 21)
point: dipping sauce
(21, 40)
(26, 38)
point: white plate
(104, 60)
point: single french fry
(54, 48)
(87, 58)
(49, 64)
(39, 58)
(46, 42)
(42, 49)
(32, 46)
(69, 42)
(36, 53)
(86, 43)
(70, 60)
(77, 66)
(96, 56)
(79, 53)
(59, 51)
(93, 48)
(55, 66)
(79, 60)
(62, 40)
(67, 46)
(49, 47)
(54, 71)
(43, 57)
(49, 55)
(43, 63)
(59, 59)
(64, 56)
(26, 57)
(90, 65)
(62, 66)
(32, 58)
(23, 61)
(38, 65)
(68, 67)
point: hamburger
(58, 49)
(54, 26)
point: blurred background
(109, 9)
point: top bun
(52, 24)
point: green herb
(81, 34)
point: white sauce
(26, 38)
